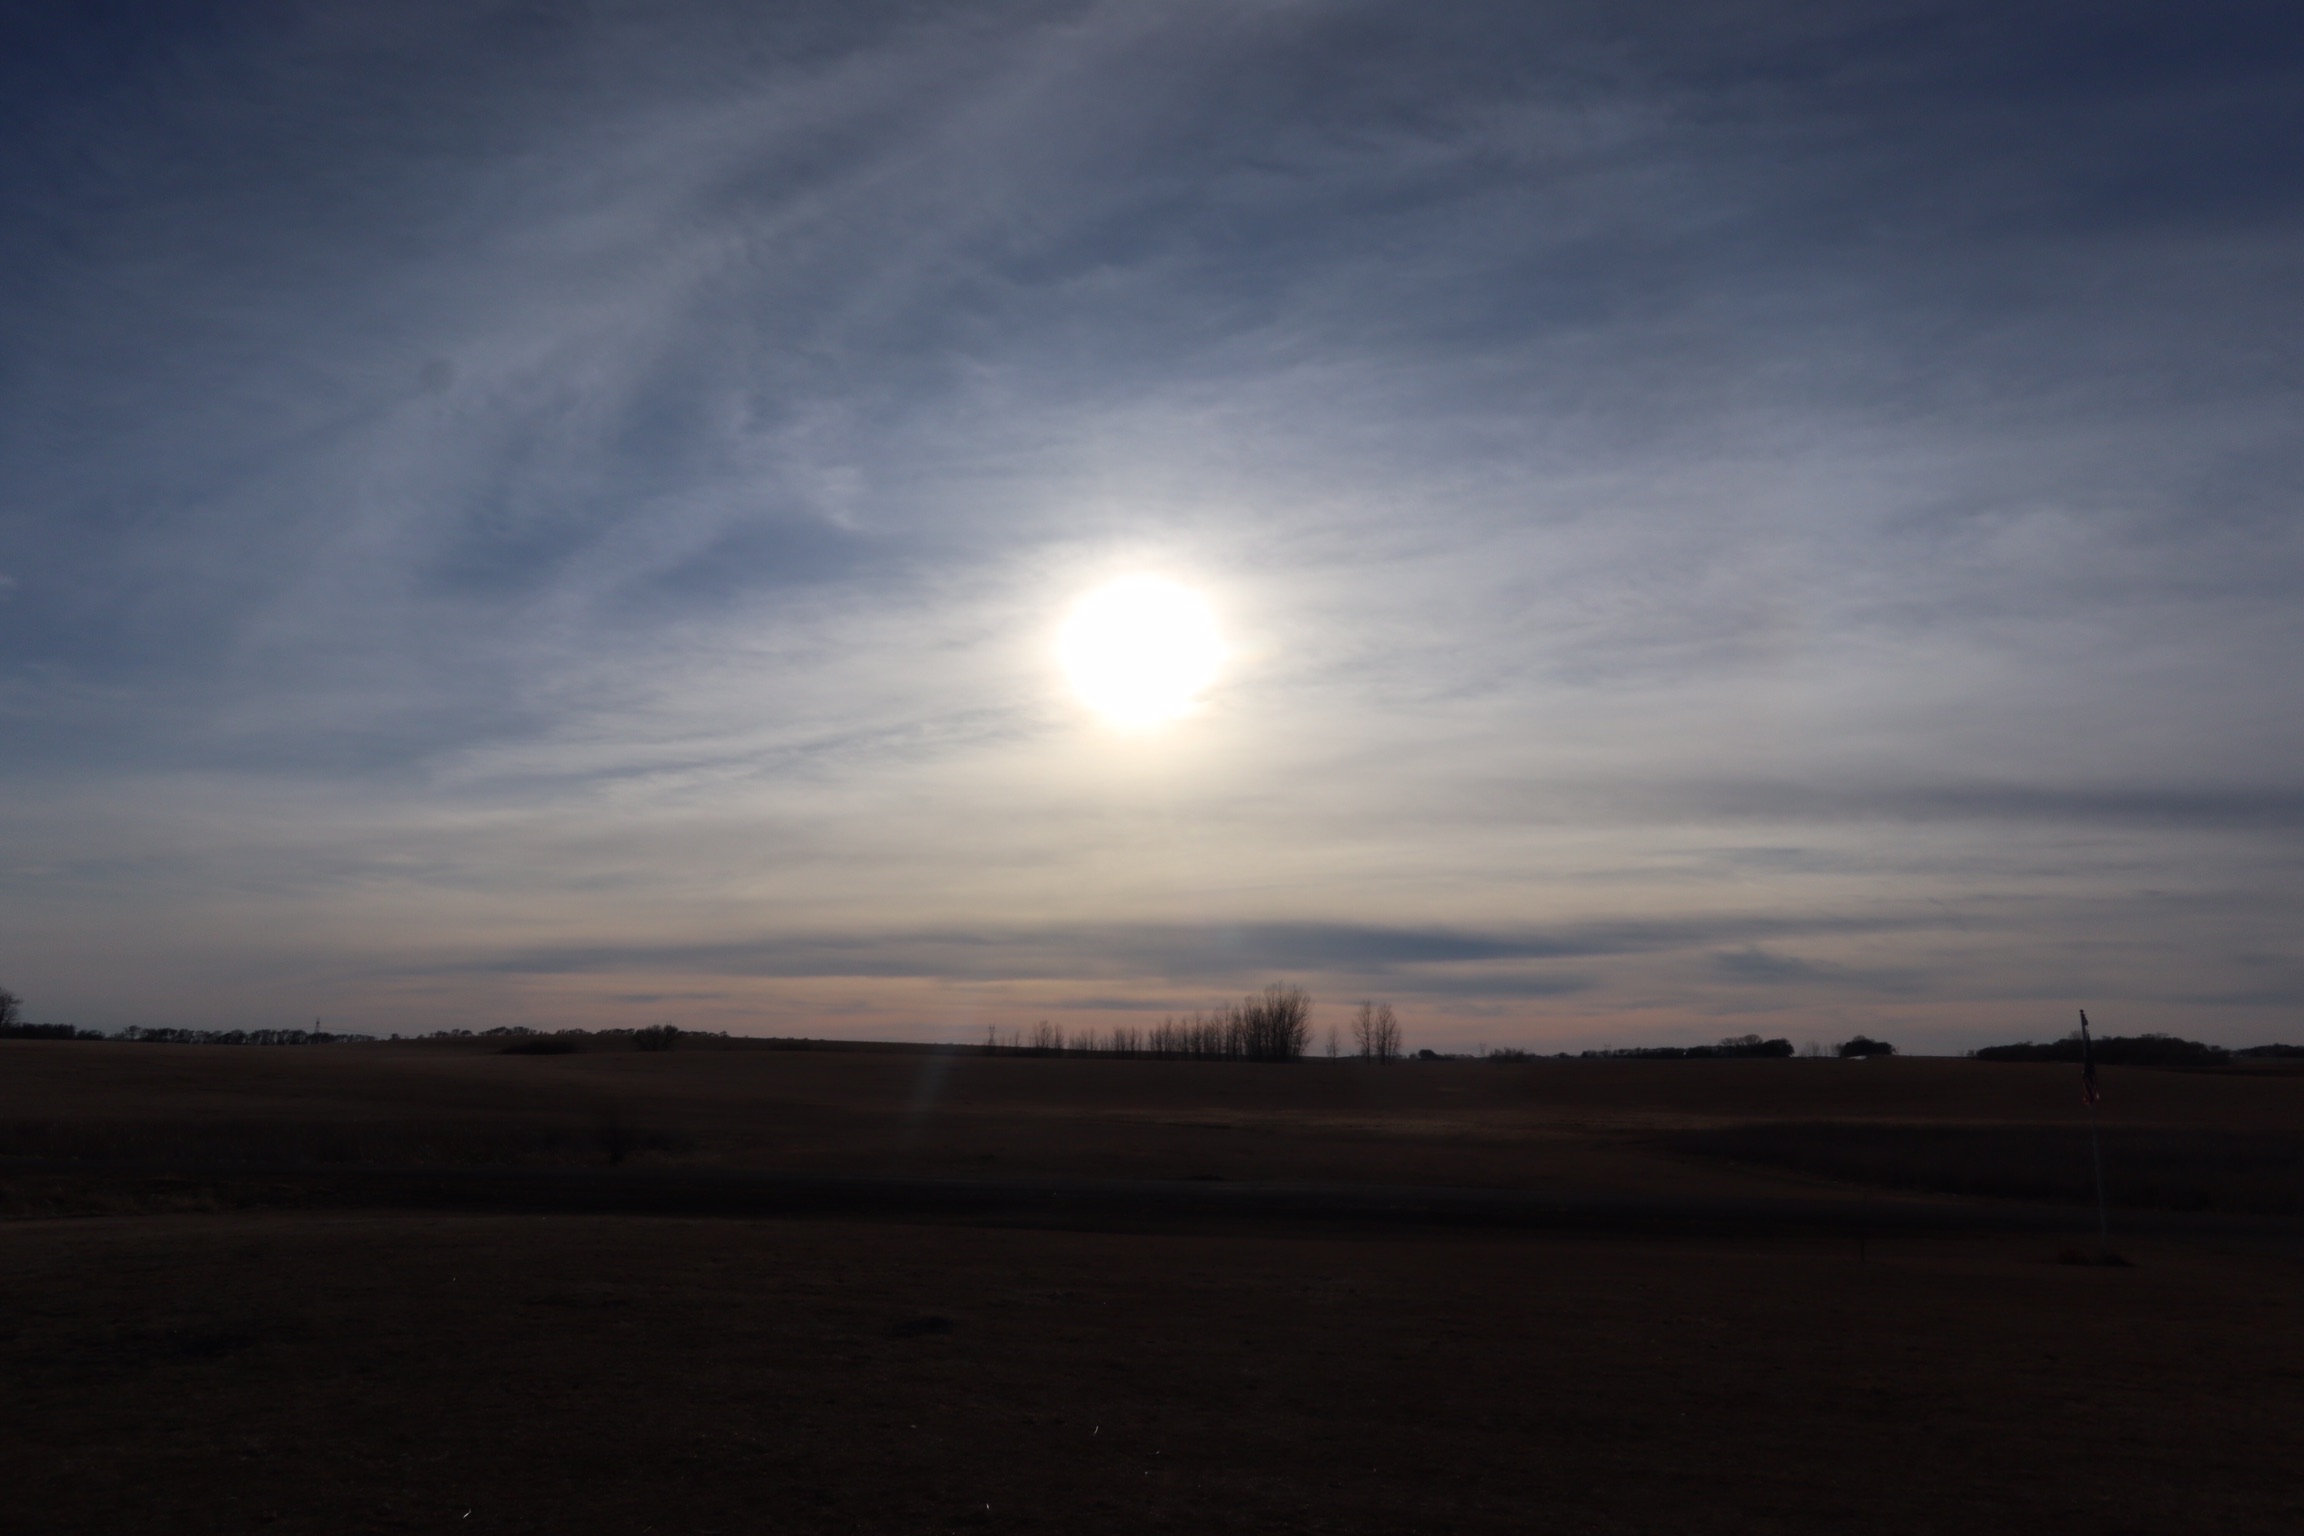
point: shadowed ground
(388, 1373)
(245, 1364)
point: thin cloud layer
(505, 515)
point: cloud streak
(1222, 951)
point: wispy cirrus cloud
(503, 501)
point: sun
(1141, 650)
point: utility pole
(2089, 1096)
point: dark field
(232, 1302)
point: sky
(1776, 518)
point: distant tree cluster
(1863, 1045)
(1376, 1032)
(2118, 1051)
(13, 1027)
(1273, 1025)
(1733, 1046)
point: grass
(2180, 1169)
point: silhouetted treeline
(520, 1040)
(13, 1027)
(142, 1036)
(136, 1034)
(1863, 1045)
(1734, 1045)
(2117, 1051)
(1273, 1025)
(867, 1047)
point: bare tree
(11, 1008)
(1332, 1042)
(1376, 1031)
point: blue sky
(1778, 519)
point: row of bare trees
(1272, 1025)
(1046, 1039)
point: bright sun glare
(1141, 650)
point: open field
(1629, 1127)
(235, 1346)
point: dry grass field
(204, 1329)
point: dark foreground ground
(391, 1373)
(230, 1350)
